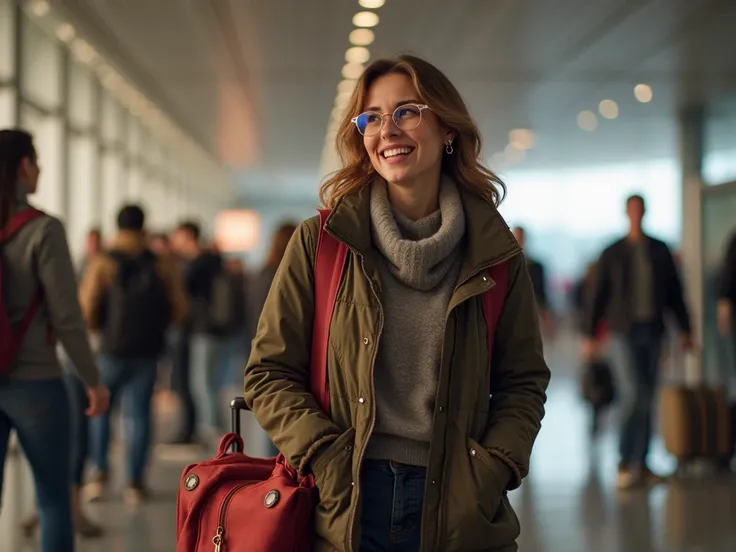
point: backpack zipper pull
(217, 539)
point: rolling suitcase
(695, 422)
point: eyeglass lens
(406, 117)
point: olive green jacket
(480, 447)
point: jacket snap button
(434, 482)
(361, 400)
(485, 278)
(366, 341)
(473, 452)
(442, 408)
(349, 448)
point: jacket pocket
(478, 515)
(332, 471)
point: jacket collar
(487, 241)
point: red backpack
(234, 502)
(11, 338)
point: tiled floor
(568, 503)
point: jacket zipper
(351, 520)
(218, 539)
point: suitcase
(696, 423)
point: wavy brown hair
(435, 89)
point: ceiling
(255, 80)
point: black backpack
(226, 306)
(136, 310)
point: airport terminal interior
(226, 113)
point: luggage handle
(236, 405)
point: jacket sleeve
(277, 374)
(59, 282)
(519, 377)
(596, 298)
(727, 283)
(676, 295)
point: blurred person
(409, 370)
(43, 307)
(237, 338)
(92, 246)
(160, 245)
(636, 285)
(79, 420)
(131, 296)
(262, 284)
(200, 271)
(727, 292)
(539, 281)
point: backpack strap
(18, 221)
(494, 299)
(329, 266)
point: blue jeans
(393, 496)
(643, 348)
(205, 352)
(132, 380)
(78, 402)
(39, 413)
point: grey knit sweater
(419, 267)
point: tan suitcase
(695, 423)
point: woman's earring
(448, 147)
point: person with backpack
(38, 306)
(132, 298)
(434, 408)
(217, 309)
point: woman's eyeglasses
(405, 117)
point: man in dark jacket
(727, 292)
(636, 281)
(539, 282)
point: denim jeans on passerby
(643, 348)
(38, 411)
(132, 381)
(393, 496)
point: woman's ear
(450, 135)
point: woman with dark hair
(40, 303)
(430, 423)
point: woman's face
(420, 149)
(28, 173)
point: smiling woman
(435, 402)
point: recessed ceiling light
(346, 86)
(352, 70)
(365, 19)
(362, 37)
(371, 4)
(65, 32)
(643, 93)
(522, 138)
(40, 8)
(608, 109)
(357, 54)
(587, 120)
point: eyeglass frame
(420, 107)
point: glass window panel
(719, 162)
(41, 59)
(81, 95)
(48, 138)
(7, 40)
(7, 107)
(114, 191)
(82, 211)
